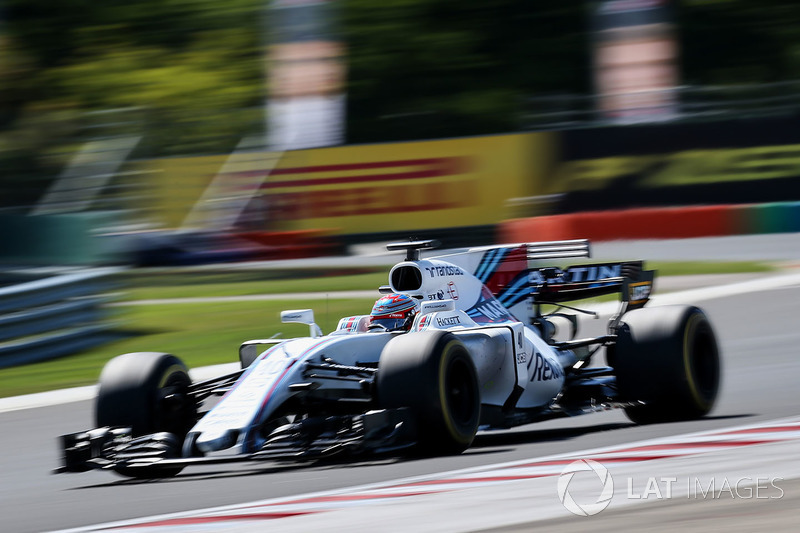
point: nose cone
(215, 440)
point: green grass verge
(210, 333)
(201, 335)
(189, 284)
(194, 284)
(686, 268)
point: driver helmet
(394, 312)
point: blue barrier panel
(48, 318)
(793, 217)
(57, 345)
(54, 289)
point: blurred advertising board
(370, 188)
(738, 160)
(635, 60)
(306, 105)
(405, 186)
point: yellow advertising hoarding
(175, 185)
(375, 188)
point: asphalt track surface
(759, 338)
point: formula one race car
(478, 348)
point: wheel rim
(174, 405)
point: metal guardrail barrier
(54, 316)
(694, 103)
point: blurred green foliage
(190, 74)
(738, 41)
(187, 74)
(442, 68)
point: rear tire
(148, 392)
(433, 375)
(668, 358)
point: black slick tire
(432, 374)
(148, 392)
(668, 358)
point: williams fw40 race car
(476, 340)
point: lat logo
(596, 470)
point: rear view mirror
(302, 316)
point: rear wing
(540, 251)
(550, 285)
(521, 277)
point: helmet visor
(390, 322)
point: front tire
(433, 375)
(149, 393)
(668, 358)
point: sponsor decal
(487, 309)
(435, 306)
(593, 272)
(424, 322)
(639, 292)
(544, 370)
(452, 291)
(448, 270)
(492, 310)
(389, 315)
(438, 295)
(576, 274)
(448, 321)
(522, 358)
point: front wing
(373, 433)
